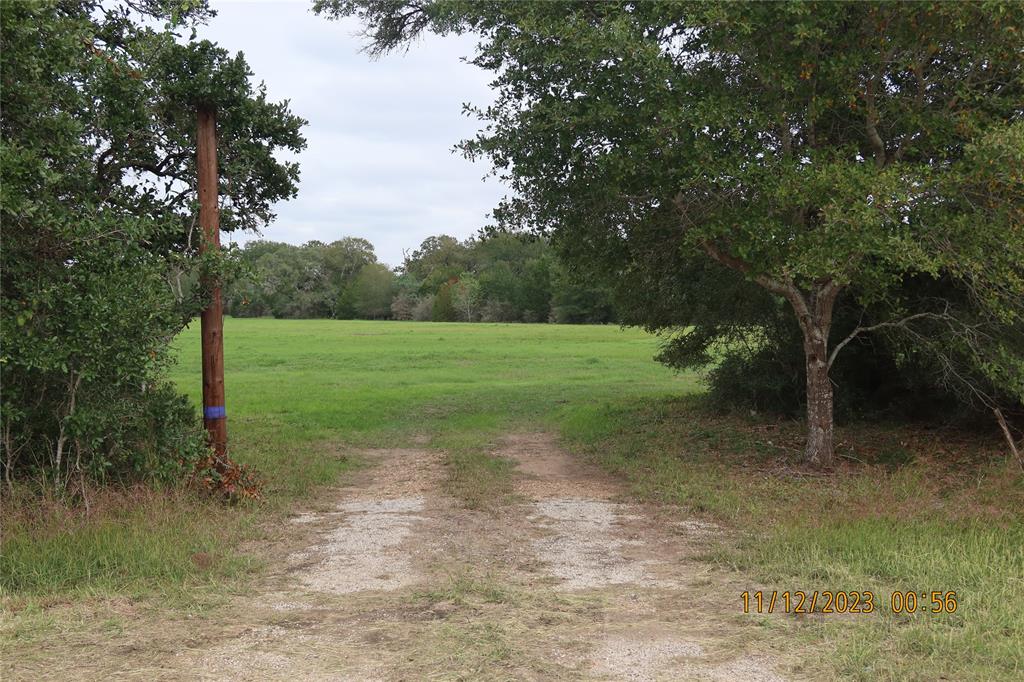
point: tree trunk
(819, 400)
(813, 310)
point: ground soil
(392, 579)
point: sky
(379, 162)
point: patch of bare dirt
(665, 657)
(365, 551)
(639, 659)
(547, 471)
(582, 547)
(640, 563)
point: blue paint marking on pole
(214, 412)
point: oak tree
(813, 149)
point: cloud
(379, 163)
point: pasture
(292, 383)
(313, 404)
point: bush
(110, 434)
(876, 376)
(83, 362)
(444, 307)
(99, 265)
(498, 311)
(756, 382)
(579, 304)
(423, 311)
(403, 307)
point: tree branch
(773, 285)
(860, 330)
(787, 289)
(870, 125)
(824, 300)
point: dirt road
(395, 580)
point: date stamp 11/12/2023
(826, 601)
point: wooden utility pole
(212, 320)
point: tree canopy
(812, 150)
(99, 262)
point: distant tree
(535, 290)
(574, 303)
(286, 281)
(309, 281)
(444, 304)
(252, 294)
(517, 272)
(466, 297)
(436, 261)
(342, 262)
(372, 291)
(496, 310)
(499, 282)
(812, 149)
(514, 268)
(423, 311)
(403, 306)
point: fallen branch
(1009, 437)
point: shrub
(404, 306)
(423, 311)
(498, 311)
(444, 307)
(100, 267)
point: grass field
(908, 510)
(301, 392)
(293, 383)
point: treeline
(498, 278)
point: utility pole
(212, 320)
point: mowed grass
(302, 397)
(907, 510)
(294, 385)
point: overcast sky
(379, 163)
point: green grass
(907, 510)
(301, 395)
(950, 518)
(463, 588)
(294, 385)
(142, 541)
